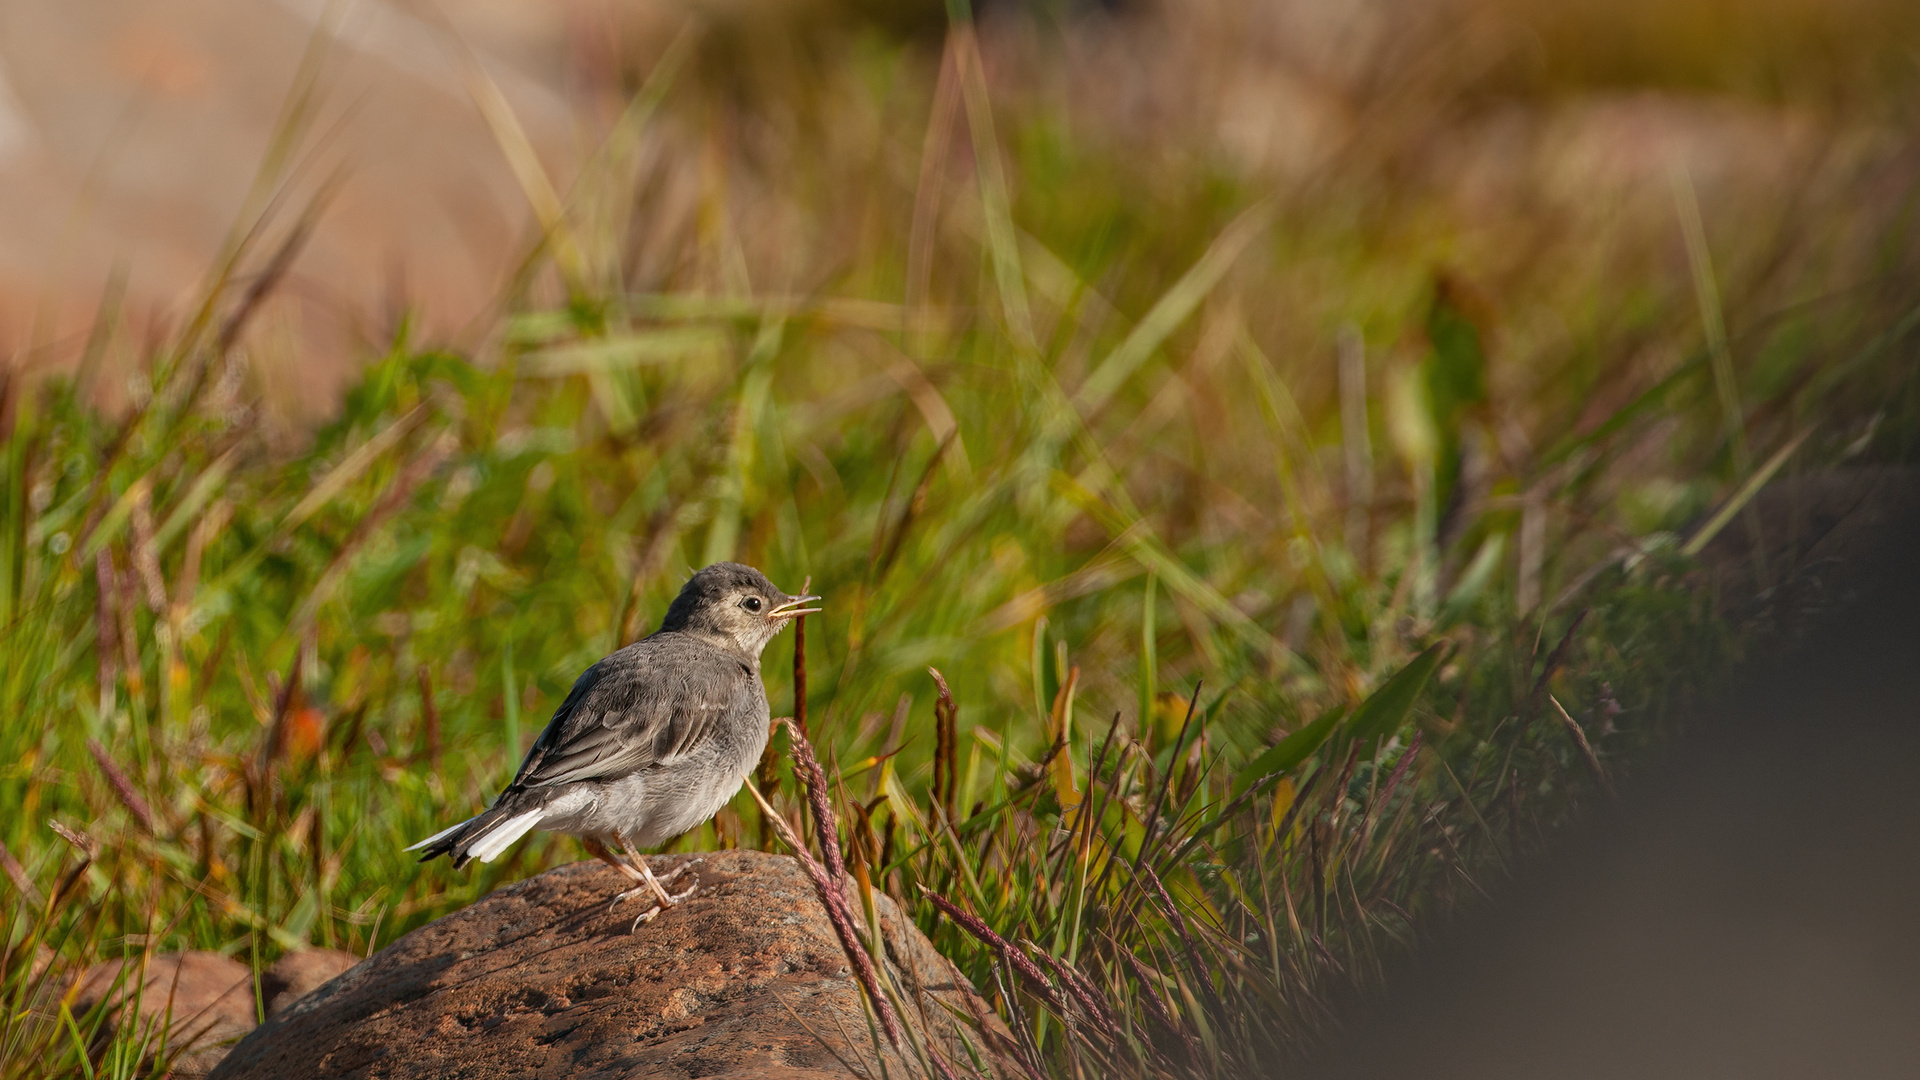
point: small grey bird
(652, 741)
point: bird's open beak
(793, 608)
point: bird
(651, 741)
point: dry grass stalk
(105, 625)
(122, 787)
(946, 751)
(1554, 660)
(1091, 1000)
(1157, 1009)
(18, 875)
(800, 668)
(1579, 736)
(260, 777)
(145, 561)
(80, 841)
(1197, 962)
(829, 881)
(816, 783)
(840, 915)
(1015, 957)
(429, 719)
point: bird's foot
(622, 897)
(682, 871)
(646, 916)
(663, 898)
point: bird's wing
(645, 705)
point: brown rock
(541, 979)
(206, 998)
(298, 974)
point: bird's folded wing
(629, 713)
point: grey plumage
(653, 739)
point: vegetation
(1285, 587)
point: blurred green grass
(1158, 467)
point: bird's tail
(483, 836)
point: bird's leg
(683, 870)
(637, 866)
(666, 899)
(600, 851)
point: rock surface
(207, 999)
(542, 979)
(298, 974)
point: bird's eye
(751, 603)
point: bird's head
(737, 604)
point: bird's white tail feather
(489, 847)
(436, 836)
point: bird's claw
(669, 899)
(682, 871)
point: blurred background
(1529, 147)
(1261, 413)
